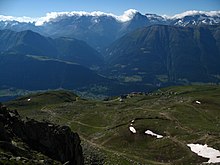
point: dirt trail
(129, 157)
(87, 125)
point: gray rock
(54, 141)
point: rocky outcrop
(57, 142)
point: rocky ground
(31, 142)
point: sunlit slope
(182, 115)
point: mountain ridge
(69, 49)
(126, 16)
(100, 29)
(35, 73)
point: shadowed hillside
(164, 54)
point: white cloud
(126, 16)
(56, 16)
(19, 19)
(194, 12)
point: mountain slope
(35, 73)
(97, 31)
(190, 54)
(77, 51)
(28, 42)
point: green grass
(171, 112)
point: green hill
(182, 115)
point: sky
(39, 8)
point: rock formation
(57, 142)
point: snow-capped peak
(127, 16)
(19, 19)
(155, 17)
(194, 12)
(56, 16)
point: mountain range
(109, 54)
(100, 29)
(31, 61)
(68, 49)
(38, 73)
(120, 59)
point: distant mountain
(28, 42)
(97, 31)
(37, 73)
(196, 18)
(100, 29)
(15, 25)
(31, 61)
(162, 53)
(141, 51)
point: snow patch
(206, 152)
(149, 132)
(132, 129)
(120, 99)
(28, 99)
(198, 102)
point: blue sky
(38, 8)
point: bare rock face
(57, 142)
